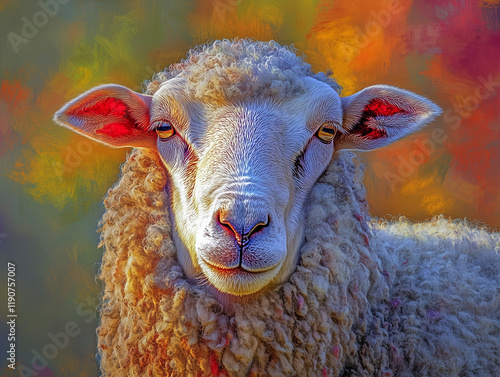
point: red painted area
(214, 365)
(378, 107)
(115, 130)
(375, 108)
(107, 107)
(117, 111)
(15, 100)
(472, 147)
(468, 38)
(367, 241)
(229, 337)
(14, 93)
(46, 372)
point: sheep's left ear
(380, 114)
(111, 114)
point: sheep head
(241, 169)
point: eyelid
(333, 123)
(336, 125)
(157, 122)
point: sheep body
(366, 299)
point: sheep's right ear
(381, 114)
(111, 114)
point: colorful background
(53, 181)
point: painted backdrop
(52, 180)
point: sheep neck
(154, 318)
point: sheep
(237, 241)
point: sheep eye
(165, 130)
(326, 132)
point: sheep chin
(238, 282)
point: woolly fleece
(230, 70)
(381, 300)
(366, 299)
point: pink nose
(242, 229)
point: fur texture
(230, 70)
(365, 300)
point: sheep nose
(242, 230)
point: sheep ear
(380, 114)
(111, 114)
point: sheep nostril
(259, 226)
(242, 237)
(226, 224)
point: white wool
(367, 298)
(233, 69)
(445, 294)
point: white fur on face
(239, 168)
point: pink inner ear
(375, 108)
(378, 107)
(114, 109)
(115, 130)
(108, 107)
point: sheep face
(240, 174)
(240, 171)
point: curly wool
(444, 306)
(366, 299)
(155, 322)
(234, 69)
(399, 301)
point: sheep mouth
(237, 281)
(236, 270)
(229, 271)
